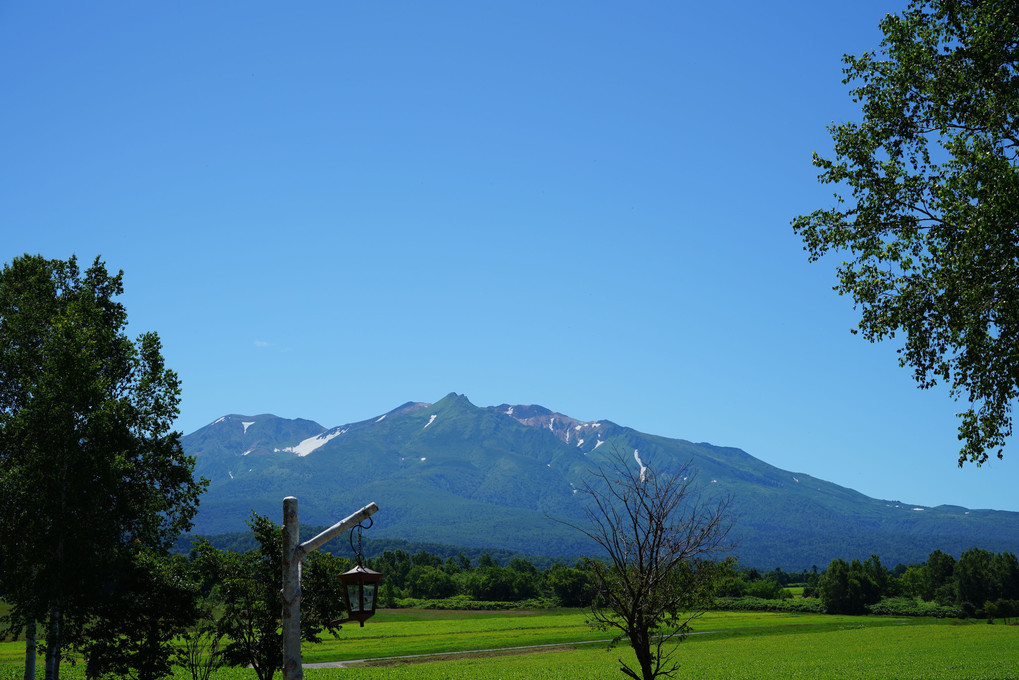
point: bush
(467, 603)
(766, 589)
(810, 605)
(907, 606)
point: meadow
(729, 645)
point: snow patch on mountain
(643, 468)
(247, 424)
(431, 419)
(312, 443)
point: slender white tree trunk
(31, 645)
(53, 645)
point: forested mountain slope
(455, 473)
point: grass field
(730, 645)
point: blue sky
(330, 208)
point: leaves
(928, 194)
(94, 486)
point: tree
(150, 600)
(939, 572)
(250, 585)
(430, 582)
(974, 578)
(569, 585)
(848, 588)
(929, 230)
(91, 475)
(657, 533)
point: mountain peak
(568, 430)
(491, 477)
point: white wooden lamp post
(293, 552)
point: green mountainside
(457, 474)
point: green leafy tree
(914, 581)
(430, 582)
(766, 589)
(974, 577)
(250, 584)
(91, 475)
(1005, 571)
(928, 193)
(939, 572)
(658, 534)
(150, 599)
(569, 585)
(396, 565)
(847, 588)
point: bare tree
(659, 534)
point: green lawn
(730, 645)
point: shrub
(908, 606)
(810, 605)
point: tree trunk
(53, 645)
(641, 644)
(30, 649)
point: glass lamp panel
(353, 597)
(369, 596)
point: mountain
(455, 473)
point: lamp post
(293, 552)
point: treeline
(243, 541)
(979, 584)
(425, 576)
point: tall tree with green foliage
(91, 475)
(149, 601)
(250, 585)
(849, 587)
(659, 536)
(927, 204)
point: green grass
(921, 652)
(738, 645)
(405, 632)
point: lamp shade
(361, 585)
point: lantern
(361, 586)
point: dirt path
(440, 656)
(435, 656)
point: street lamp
(293, 552)
(361, 585)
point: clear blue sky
(327, 209)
